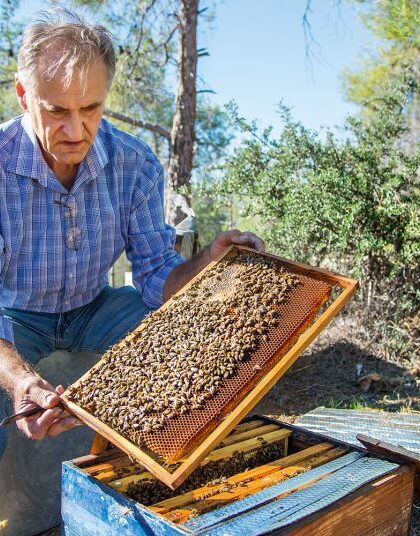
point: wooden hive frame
(248, 437)
(318, 486)
(193, 459)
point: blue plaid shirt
(57, 246)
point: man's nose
(73, 127)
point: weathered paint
(399, 429)
(90, 508)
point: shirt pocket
(100, 224)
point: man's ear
(21, 94)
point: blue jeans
(95, 327)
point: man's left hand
(227, 238)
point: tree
(183, 125)
(140, 99)
(145, 53)
(184, 131)
(352, 205)
(10, 31)
(396, 25)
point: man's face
(66, 120)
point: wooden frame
(191, 462)
(320, 487)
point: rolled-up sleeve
(150, 246)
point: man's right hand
(52, 420)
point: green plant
(349, 203)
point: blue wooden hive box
(286, 481)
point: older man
(75, 192)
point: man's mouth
(72, 143)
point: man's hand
(32, 390)
(224, 240)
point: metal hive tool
(187, 438)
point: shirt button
(71, 276)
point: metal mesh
(182, 434)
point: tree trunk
(182, 133)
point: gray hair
(67, 41)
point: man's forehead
(82, 76)
(91, 87)
(56, 89)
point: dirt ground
(328, 374)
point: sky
(257, 57)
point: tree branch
(141, 35)
(310, 41)
(138, 123)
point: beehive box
(178, 384)
(285, 481)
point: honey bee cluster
(150, 491)
(185, 352)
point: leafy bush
(350, 203)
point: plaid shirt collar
(27, 160)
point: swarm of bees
(184, 353)
(150, 491)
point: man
(74, 193)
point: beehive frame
(193, 459)
(347, 492)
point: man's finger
(249, 239)
(33, 423)
(44, 398)
(34, 417)
(227, 237)
(59, 389)
(38, 428)
(62, 425)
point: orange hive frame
(248, 394)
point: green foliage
(397, 21)
(351, 204)
(355, 403)
(210, 219)
(396, 24)
(10, 32)
(214, 134)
